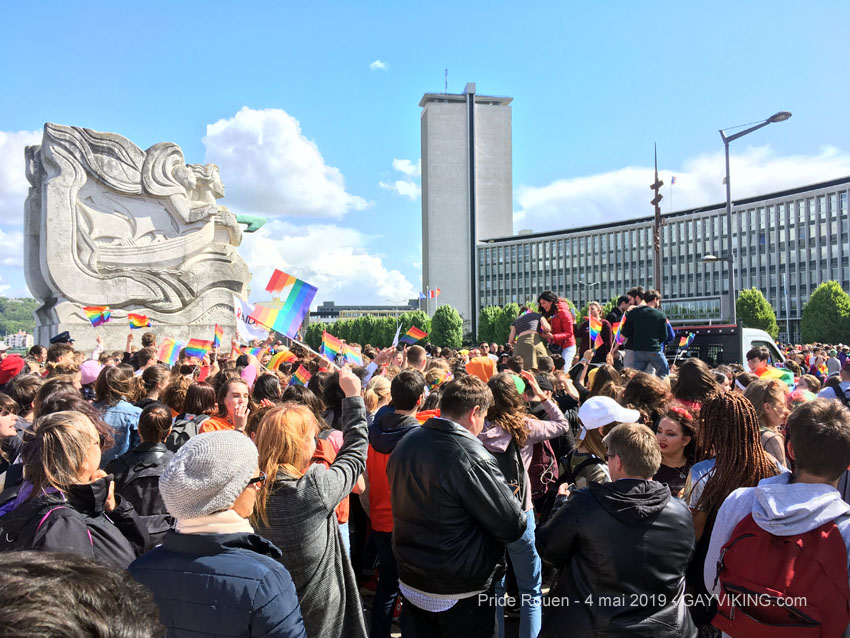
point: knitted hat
(207, 474)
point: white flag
(248, 328)
(397, 332)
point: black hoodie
(388, 428)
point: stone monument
(108, 224)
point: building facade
(20, 340)
(467, 189)
(328, 311)
(785, 244)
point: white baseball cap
(598, 412)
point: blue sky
(295, 88)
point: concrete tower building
(467, 190)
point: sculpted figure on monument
(110, 224)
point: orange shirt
(214, 424)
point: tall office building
(467, 190)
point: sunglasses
(258, 479)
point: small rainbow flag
(284, 356)
(595, 327)
(617, 327)
(687, 340)
(198, 348)
(301, 376)
(138, 321)
(98, 315)
(352, 355)
(413, 335)
(254, 352)
(169, 351)
(218, 335)
(331, 346)
(781, 374)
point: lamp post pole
(781, 116)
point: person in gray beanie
(214, 560)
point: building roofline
(461, 97)
(682, 213)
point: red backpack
(783, 586)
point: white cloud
(332, 258)
(268, 166)
(13, 178)
(406, 187)
(377, 65)
(625, 194)
(12, 248)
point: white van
(723, 344)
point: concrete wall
(493, 171)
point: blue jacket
(220, 585)
(123, 418)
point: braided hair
(730, 430)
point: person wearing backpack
(198, 406)
(137, 472)
(510, 434)
(844, 385)
(787, 540)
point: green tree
(502, 327)
(17, 315)
(755, 312)
(446, 328)
(313, 334)
(826, 316)
(582, 315)
(487, 323)
(418, 318)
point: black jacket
(622, 549)
(452, 510)
(222, 585)
(77, 524)
(137, 475)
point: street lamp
(781, 116)
(587, 286)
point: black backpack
(184, 429)
(20, 528)
(140, 486)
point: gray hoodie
(781, 508)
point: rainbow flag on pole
(98, 315)
(285, 315)
(218, 335)
(352, 355)
(301, 376)
(284, 356)
(254, 352)
(331, 346)
(169, 351)
(687, 340)
(138, 321)
(413, 335)
(594, 327)
(616, 328)
(198, 348)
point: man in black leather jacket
(452, 514)
(621, 548)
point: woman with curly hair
(647, 394)
(510, 434)
(676, 435)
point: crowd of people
(568, 478)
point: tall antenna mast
(447, 81)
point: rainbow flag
(198, 348)
(254, 352)
(284, 356)
(595, 327)
(169, 351)
(285, 315)
(301, 376)
(786, 376)
(138, 321)
(331, 346)
(687, 340)
(218, 335)
(352, 355)
(617, 327)
(413, 335)
(98, 315)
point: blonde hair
(638, 449)
(764, 391)
(593, 442)
(56, 449)
(280, 440)
(377, 390)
